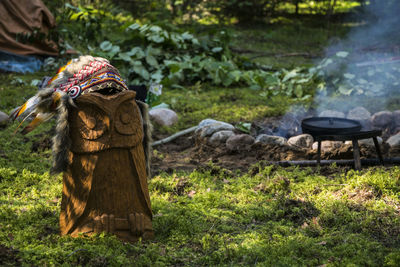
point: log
(174, 136)
(350, 162)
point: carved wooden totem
(105, 185)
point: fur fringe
(147, 130)
(61, 140)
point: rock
(239, 142)
(163, 116)
(366, 142)
(3, 119)
(271, 139)
(394, 140)
(382, 119)
(359, 113)
(327, 145)
(303, 140)
(370, 141)
(206, 122)
(396, 119)
(210, 129)
(219, 138)
(332, 113)
(362, 115)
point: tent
(18, 19)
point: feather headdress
(79, 76)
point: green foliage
(150, 53)
(342, 76)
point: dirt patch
(184, 153)
(43, 141)
(9, 256)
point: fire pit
(340, 129)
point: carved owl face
(100, 122)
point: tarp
(19, 63)
(25, 17)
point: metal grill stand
(354, 137)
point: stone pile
(217, 133)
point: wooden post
(356, 153)
(105, 185)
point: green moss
(271, 216)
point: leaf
(186, 36)
(155, 28)
(291, 74)
(326, 62)
(289, 90)
(125, 56)
(174, 68)
(156, 38)
(195, 41)
(304, 80)
(342, 54)
(134, 26)
(217, 49)
(138, 52)
(154, 51)
(144, 73)
(114, 50)
(255, 87)
(298, 91)
(152, 61)
(157, 76)
(236, 75)
(141, 70)
(344, 90)
(244, 127)
(106, 45)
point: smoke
(363, 69)
(366, 64)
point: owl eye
(92, 123)
(127, 119)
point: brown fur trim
(147, 130)
(61, 141)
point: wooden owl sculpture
(105, 185)
(101, 145)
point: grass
(232, 105)
(268, 216)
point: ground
(184, 153)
